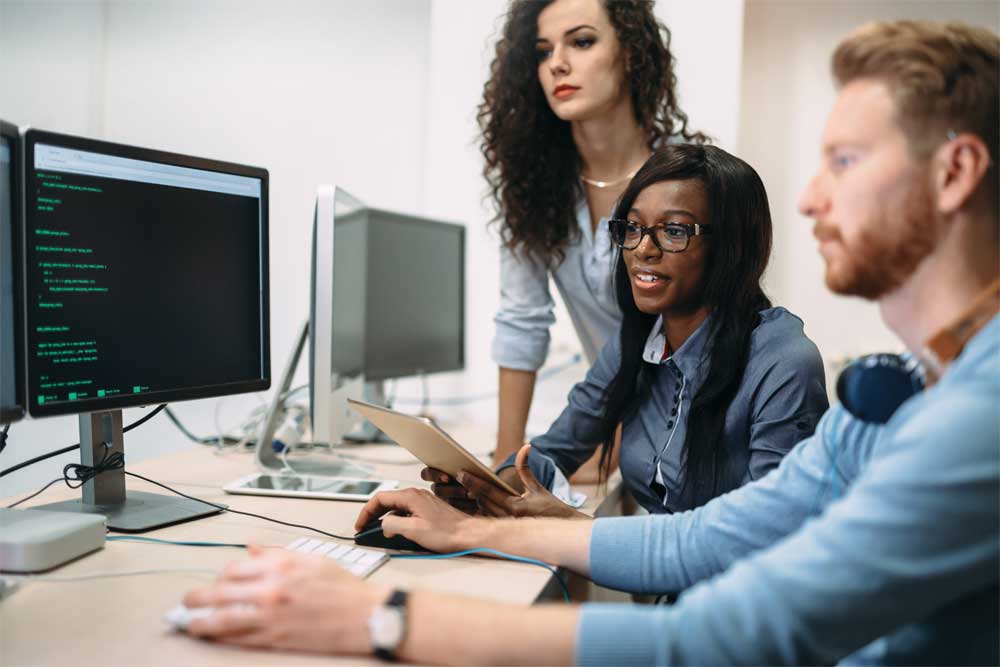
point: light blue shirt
(868, 544)
(584, 282)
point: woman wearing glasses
(711, 384)
(579, 94)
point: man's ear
(960, 165)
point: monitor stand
(325, 465)
(101, 436)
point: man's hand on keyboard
(432, 522)
(281, 599)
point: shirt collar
(979, 353)
(688, 358)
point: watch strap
(397, 599)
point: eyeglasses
(668, 238)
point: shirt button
(670, 424)
(673, 412)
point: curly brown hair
(532, 165)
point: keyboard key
(324, 548)
(351, 557)
(370, 557)
(356, 560)
(294, 546)
(309, 546)
(341, 551)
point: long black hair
(532, 165)
(738, 252)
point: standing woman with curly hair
(580, 93)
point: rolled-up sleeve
(579, 429)
(521, 341)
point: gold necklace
(607, 184)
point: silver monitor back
(328, 390)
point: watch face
(386, 627)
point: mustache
(825, 232)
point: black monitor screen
(11, 401)
(146, 276)
(415, 296)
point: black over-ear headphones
(874, 386)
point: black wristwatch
(387, 626)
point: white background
(380, 97)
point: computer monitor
(11, 306)
(388, 302)
(146, 282)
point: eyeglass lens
(670, 238)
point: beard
(886, 252)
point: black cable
(226, 439)
(80, 473)
(83, 473)
(38, 492)
(25, 464)
(232, 511)
(3, 437)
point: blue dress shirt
(867, 545)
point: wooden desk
(119, 621)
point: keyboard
(359, 562)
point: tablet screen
(311, 485)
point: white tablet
(425, 440)
(308, 486)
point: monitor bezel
(119, 401)
(16, 411)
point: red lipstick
(564, 90)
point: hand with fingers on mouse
(490, 499)
(419, 516)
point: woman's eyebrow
(569, 32)
(669, 212)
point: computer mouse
(371, 536)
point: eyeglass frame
(690, 229)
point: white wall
(316, 91)
(786, 94)
(463, 35)
(380, 97)
(707, 40)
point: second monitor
(388, 301)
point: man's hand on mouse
(432, 523)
